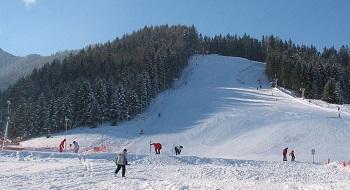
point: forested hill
(324, 75)
(112, 81)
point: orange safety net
(102, 148)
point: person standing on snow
(157, 147)
(292, 155)
(285, 151)
(76, 146)
(178, 150)
(121, 162)
(61, 147)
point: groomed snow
(221, 119)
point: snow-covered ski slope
(217, 111)
(232, 133)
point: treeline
(233, 45)
(113, 82)
(324, 75)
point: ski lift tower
(102, 120)
(1, 117)
(276, 81)
(7, 124)
(102, 138)
(302, 93)
(127, 120)
(174, 82)
(65, 137)
(143, 118)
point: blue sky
(47, 26)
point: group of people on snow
(158, 147)
(121, 160)
(63, 144)
(291, 154)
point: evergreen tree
(101, 101)
(329, 90)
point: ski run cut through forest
(231, 130)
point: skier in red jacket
(157, 147)
(61, 147)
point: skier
(159, 115)
(76, 146)
(338, 111)
(292, 155)
(157, 147)
(259, 82)
(61, 147)
(121, 162)
(178, 150)
(285, 154)
(48, 134)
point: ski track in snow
(232, 134)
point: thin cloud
(29, 2)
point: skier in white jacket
(121, 162)
(76, 146)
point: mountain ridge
(14, 67)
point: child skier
(157, 147)
(178, 150)
(61, 147)
(292, 155)
(285, 154)
(121, 162)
